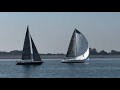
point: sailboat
(78, 50)
(27, 57)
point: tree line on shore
(103, 52)
(93, 51)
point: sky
(52, 31)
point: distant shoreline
(104, 56)
(57, 56)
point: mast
(75, 43)
(26, 54)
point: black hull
(29, 63)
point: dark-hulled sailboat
(27, 58)
(78, 50)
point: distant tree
(114, 52)
(93, 51)
(103, 52)
(3, 53)
(15, 52)
(49, 53)
(61, 53)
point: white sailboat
(78, 50)
(27, 59)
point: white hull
(73, 61)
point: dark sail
(26, 54)
(72, 46)
(36, 56)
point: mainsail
(36, 56)
(26, 54)
(78, 46)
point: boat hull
(29, 63)
(73, 61)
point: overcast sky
(52, 31)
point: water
(94, 68)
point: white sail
(84, 56)
(82, 50)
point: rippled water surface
(52, 68)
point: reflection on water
(29, 70)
